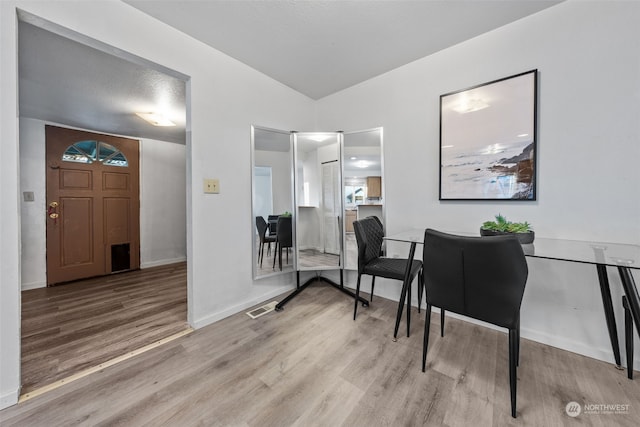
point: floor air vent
(257, 312)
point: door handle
(53, 210)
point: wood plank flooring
(71, 327)
(312, 365)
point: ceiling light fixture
(319, 138)
(361, 164)
(156, 119)
(353, 158)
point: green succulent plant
(501, 224)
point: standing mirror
(318, 200)
(272, 201)
(363, 185)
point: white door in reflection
(331, 207)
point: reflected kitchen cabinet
(374, 187)
(350, 216)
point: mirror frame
(254, 245)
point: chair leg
(442, 322)
(420, 284)
(425, 342)
(408, 308)
(628, 336)
(275, 249)
(518, 342)
(513, 379)
(355, 307)
(260, 249)
(373, 284)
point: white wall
(162, 203)
(226, 98)
(588, 58)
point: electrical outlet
(211, 186)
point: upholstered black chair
(284, 239)
(262, 226)
(272, 221)
(479, 277)
(369, 237)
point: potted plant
(522, 230)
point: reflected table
(600, 254)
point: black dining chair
(478, 277)
(284, 239)
(262, 227)
(272, 221)
(369, 237)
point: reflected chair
(272, 222)
(369, 237)
(479, 277)
(262, 226)
(284, 239)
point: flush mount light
(361, 164)
(353, 158)
(319, 138)
(156, 119)
(522, 135)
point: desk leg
(631, 291)
(608, 311)
(405, 286)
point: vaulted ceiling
(315, 47)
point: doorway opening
(110, 300)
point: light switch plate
(211, 186)
(28, 196)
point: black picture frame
(488, 140)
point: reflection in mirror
(363, 185)
(272, 201)
(318, 201)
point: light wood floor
(71, 327)
(312, 365)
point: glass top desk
(622, 256)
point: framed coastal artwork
(488, 140)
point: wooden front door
(93, 204)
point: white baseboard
(9, 399)
(158, 263)
(212, 318)
(33, 285)
(143, 265)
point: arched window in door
(92, 151)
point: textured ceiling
(70, 83)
